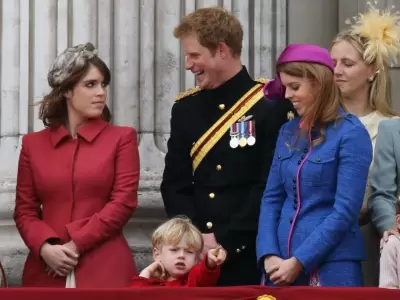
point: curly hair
(212, 25)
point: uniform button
(305, 150)
(193, 143)
(294, 186)
(243, 247)
(221, 106)
(238, 250)
(302, 157)
(211, 195)
(209, 225)
(219, 167)
(318, 159)
(291, 221)
(299, 162)
(294, 206)
(279, 156)
(294, 180)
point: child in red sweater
(177, 246)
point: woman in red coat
(77, 181)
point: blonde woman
(361, 72)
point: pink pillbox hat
(297, 53)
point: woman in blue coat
(308, 227)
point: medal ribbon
(251, 127)
(207, 141)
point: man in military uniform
(223, 136)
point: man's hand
(215, 257)
(155, 271)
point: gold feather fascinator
(379, 29)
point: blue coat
(321, 226)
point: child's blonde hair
(176, 229)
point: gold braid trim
(197, 89)
(187, 93)
(262, 80)
(208, 140)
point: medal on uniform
(234, 142)
(251, 140)
(243, 140)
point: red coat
(88, 191)
(199, 275)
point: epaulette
(262, 80)
(187, 93)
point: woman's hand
(272, 263)
(287, 272)
(71, 245)
(59, 258)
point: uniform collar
(234, 83)
(88, 132)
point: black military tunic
(223, 195)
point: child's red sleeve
(138, 281)
(201, 275)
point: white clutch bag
(70, 283)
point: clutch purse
(70, 282)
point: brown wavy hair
(53, 108)
(212, 25)
(327, 99)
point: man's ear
(223, 50)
